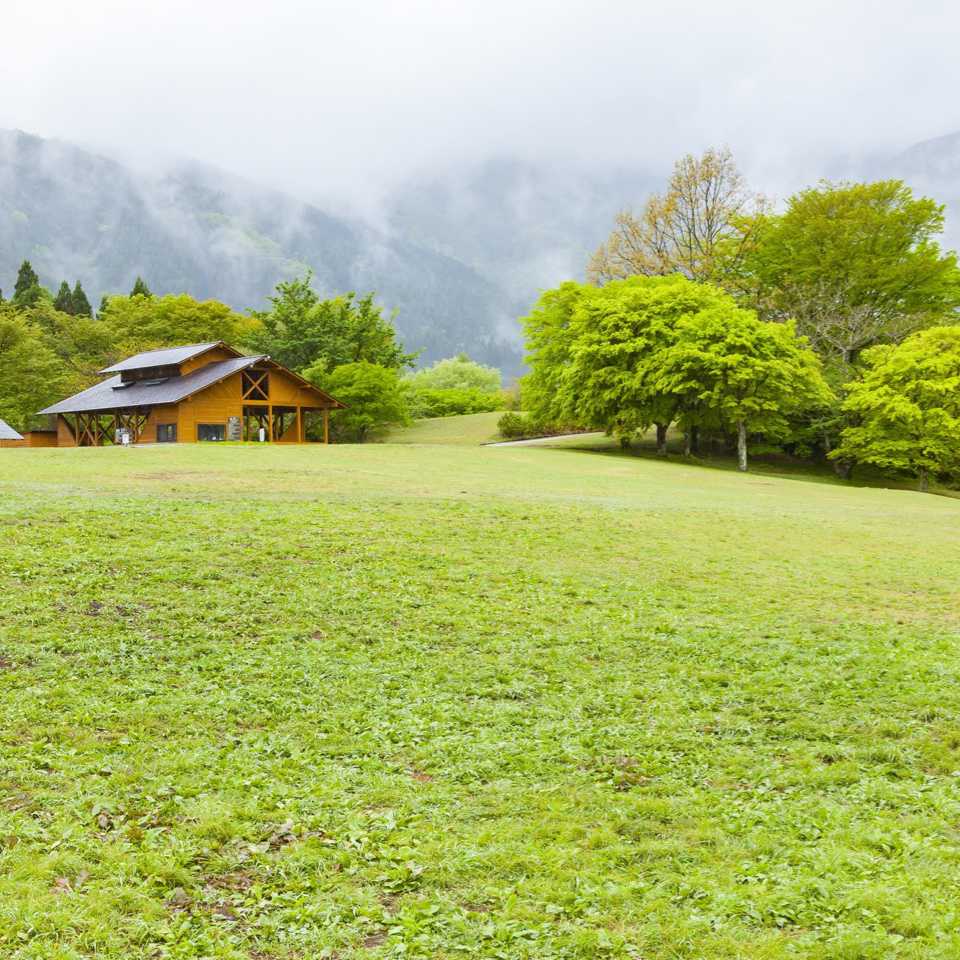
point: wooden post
(269, 423)
(326, 425)
(300, 436)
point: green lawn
(453, 701)
(470, 429)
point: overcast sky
(325, 96)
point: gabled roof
(114, 394)
(167, 356)
(7, 432)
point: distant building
(206, 391)
(8, 436)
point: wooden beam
(326, 425)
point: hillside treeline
(825, 330)
(53, 345)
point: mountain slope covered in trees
(77, 215)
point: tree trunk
(662, 439)
(741, 445)
(624, 443)
(923, 481)
(843, 469)
(695, 439)
(687, 444)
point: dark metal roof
(113, 394)
(165, 357)
(7, 432)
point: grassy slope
(471, 429)
(515, 702)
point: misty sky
(321, 97)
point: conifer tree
(64, 299)
(27, 290)
(140, 288)
(81, 305)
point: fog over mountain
(455, 157)
(78, 215)
(460, 251)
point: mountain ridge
(78, 215)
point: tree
(749, 373)
(81, 305)
(64, 299)
(620, 332)
(84, 346)
(30, 375)
(907, 406)
(27, 290)
(372, 393)
(301, 330)
(457, 373)
(549, 338)
(141, 323)
(140, 288)
(855, 264)
(700, 227)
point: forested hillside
(78, 215)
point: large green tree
(906, 407)
(30, 374)
(141, 323)
(854, 264)
(373, 396)
(752, 375)
(301, 330)
(620, 332)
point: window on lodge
(256, 385)
(211, 431)
(166, 433)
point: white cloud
(337, 96)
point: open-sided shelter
(205, 391)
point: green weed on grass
(428, 701)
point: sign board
(234, 428)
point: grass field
(472, 429)
(447, 701)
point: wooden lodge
(202, 392)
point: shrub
(519, 426)
(457, 373)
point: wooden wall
(33, 438)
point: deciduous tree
(457, 373)
(372, 393)
(854, 264)
(301, 330)
(141, 323)
(30, 374)
(906, 407)
(700, 227)
(749, 373)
